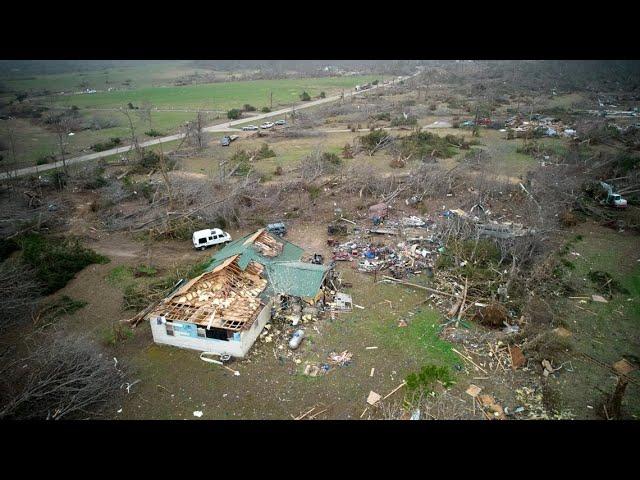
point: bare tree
(65, 378)
(164, 170)
(14, 161)
(62, 126)
(144, 112)
(19, 292)
(195, 130)
(134, 139)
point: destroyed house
(224, 309)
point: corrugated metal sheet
(297, 279)
(290, 252)
(285, 273)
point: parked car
(280, 122)
(206, 238)
(249, 128)
(277, 229)
(266, 125)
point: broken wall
(184, 336)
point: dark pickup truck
(226, 140)
(277, 229)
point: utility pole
(271, 102)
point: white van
(205, 238)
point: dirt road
(221, 127)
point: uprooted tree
(58, 379)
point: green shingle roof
(297, 279)
(290, 252)
(285, 273)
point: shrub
(265, 152)
(331, 158)
(54, 309)
(98, 181)
(426, 379)
(58, 179)
(568, 218)
(375, 82)
(145, 271)
(234, 114)
(112, 143)
(154, 133)
(401, 120)
(150, 161)
(248, 108)
(265, 109)
(373, 140)
(605, 283)
(45, 159)
(242, 158)
(433, 107)
(383, 116)
(117, 333)
(55, 260)
(426, 144)
(347, 151)
(322, 95)
(305, 97)
(314, 191)
(627, 162)
(278, 171)
(100, 123)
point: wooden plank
(395, 390)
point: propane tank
(296, 339)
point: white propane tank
(296, 339)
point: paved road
(221, 127)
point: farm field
(177, 105)
(220, 96)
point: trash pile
(341, 359)
(546, 126)
(414, 255)
(334, 360)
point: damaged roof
(285, 272)
(225, 297)
(297, 279)
(246, 250)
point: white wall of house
(237, 346)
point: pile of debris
(543, 125)
(414, 254)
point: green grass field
(33, 141)
(217, 96)
(606, 331)
(139, 74)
